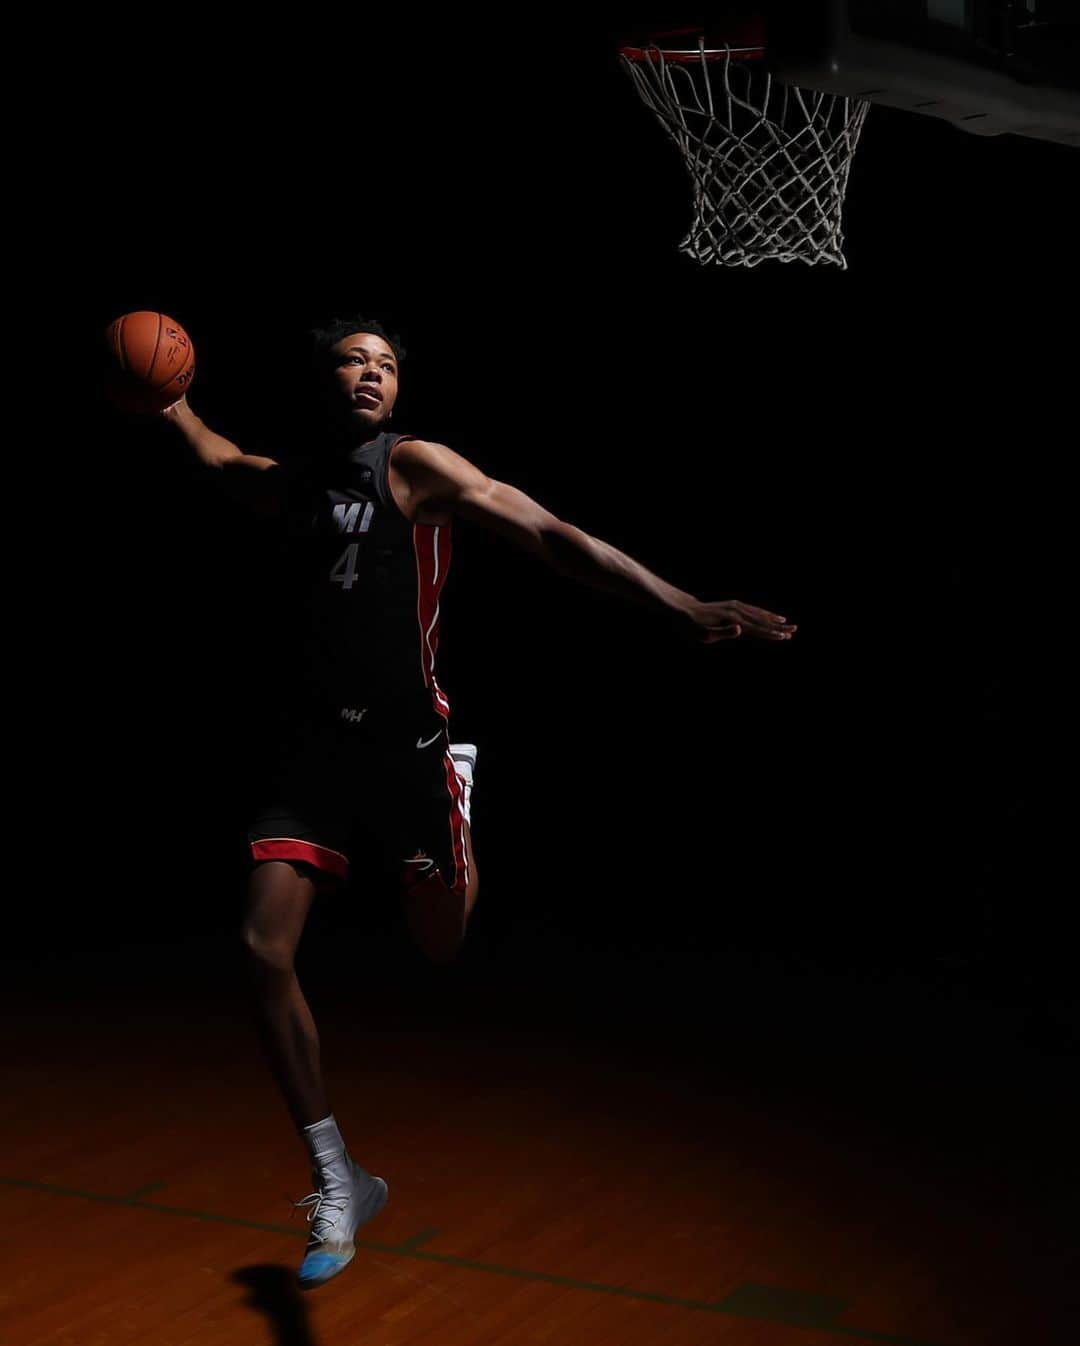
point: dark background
(874, 453)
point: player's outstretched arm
(441, 478)
(243, 475)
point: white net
(769, 162)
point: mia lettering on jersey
(355, 517)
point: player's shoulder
(411, 448)
(430, 458)
(434, 478)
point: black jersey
(367, 582)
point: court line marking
(745, 1301)
(145, 1191)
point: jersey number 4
(355, 517)
(345, 571)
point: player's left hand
(706, 623)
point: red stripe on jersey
(432, 549)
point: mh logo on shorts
(353, 716)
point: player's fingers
(760, 614)
(761, 626)
(769, 632)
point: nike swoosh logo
(423, 743)
(424, 862)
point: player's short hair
(326, 335)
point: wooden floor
(547, 1186)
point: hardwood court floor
(552, 1183)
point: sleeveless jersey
(368, 582)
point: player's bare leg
(278, 901)
(346, 1196)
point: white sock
(464, 770)
(327, 1149)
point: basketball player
(367, 740)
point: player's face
(365, 380)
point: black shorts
(348, 777)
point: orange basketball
(152, 361)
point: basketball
(151, 361)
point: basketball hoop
(769, 162)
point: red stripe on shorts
(457, 825)
(289, 848)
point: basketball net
(769, 162)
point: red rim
(743, 41)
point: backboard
(987, 66)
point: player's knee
(267, 954)
(279, 895)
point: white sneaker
(337, 1213)
(464, 758)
